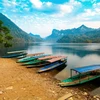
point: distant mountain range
(81, 34)
(18, 34)
(37, 38)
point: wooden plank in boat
(20, 51)
(47, 57)
(35, 54)
(56, 59)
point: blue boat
(51, 66)
(38, 65)
(14, 55)
(83, 75)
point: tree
(5, 36)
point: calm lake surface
(77, 54)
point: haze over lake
(77, 54)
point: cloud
(57, 9)
(37, 6)
(6, 3)
(66, 8)
(42, 7)
(97, 7)
(93, 13)
(48, 4)
(37, 3)
(9, 6)
(89, 12)
(15, 7)
(11, 3)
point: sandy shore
(20, 83)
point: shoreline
(20, 83)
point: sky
(42, 16)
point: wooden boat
(51, 66)
(13, 52)
(38, 65)
(35, 54)
(14, 55)
(84, 74)
(30, 58)
(56, 59)
(47, 57)
(40, 60)
(46, 61)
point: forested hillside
(18, 34)
(81, 34)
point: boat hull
(72, 81)
(33, 62)
(30, 58)
(51, 66)
(14, 55)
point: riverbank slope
(20, 83)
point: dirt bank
(20, 83)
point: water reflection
(80, 51)
(16, 47)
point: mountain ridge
(77, 35)
(36, 37)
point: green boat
(83, 75)
(30, 58)
(46, 61)
(26, 59)
(34, 62)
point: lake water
(77, 54)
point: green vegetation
(81, 34)
(5, 36)
(88, 37)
